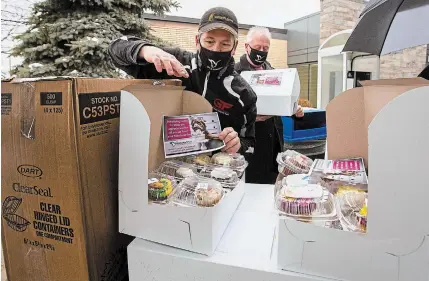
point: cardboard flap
(398, 192)
(90, 85)
(157, 101)
(194, 104)
(346, 130)
(349, 115)
(47, 78)
(395, 82)
(165, 100)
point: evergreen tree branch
(15, 21)
(71, 37)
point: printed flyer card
(266, 79)
(347, 170)
(191, 134)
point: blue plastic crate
(313, 122)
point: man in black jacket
(209, 72)
(269, 129)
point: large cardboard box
(387, 123)
(141, 150)
(59, 179)
(277, 90)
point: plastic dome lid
(296, 180)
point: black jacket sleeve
(248, 138)
(248, 97)
(237, 67)
(124, 54)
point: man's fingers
(168, 67)
(225, 132)
(233, 146)
(230, 137)
(179, 69)
(157, 63)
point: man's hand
(163, 60)
(231, 139)
(299, 112)
(262, 118)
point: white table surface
(247, 250)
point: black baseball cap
(219, 18)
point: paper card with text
(191, 134)
(266, 79)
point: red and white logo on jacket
(221, 105)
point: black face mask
(257, 57)
(214, 61)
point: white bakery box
(195, 229)
(277, 90)
(386, 122)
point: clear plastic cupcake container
(291, 180)
(197, 191)
(227, 177)
(296, 180)
(351, 204)
(333, 179)
(177, 169)
(291, 162)
(160, 187)
(351, 200)
(333, 185)
(353, 223)
(234, 161)
(314, 208)
(199, 161)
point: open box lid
(141, 147)
(349, 115)
(159, 101)
(386, 122)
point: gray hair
(257, 30)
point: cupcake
(208, 196)
(235, 161)
(297, 207)
(351, 200)
(222, 158)
(223, 174)
(299, 201)
(202, 160)
(347, 188)
(159, 189)
(306, 201)
(196, 191)
(297, 180)
(309, 191)
(184, 172)
(227, 177)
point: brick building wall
(403, 64)
(337, 15)
(183, 35)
